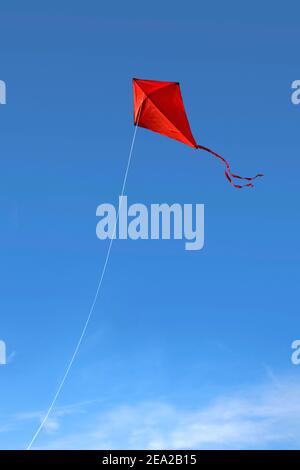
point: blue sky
(185, 349)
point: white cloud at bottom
(264, 417)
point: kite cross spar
(160, 108)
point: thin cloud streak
(263, 417)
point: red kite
(158, 106)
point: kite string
(94, 299)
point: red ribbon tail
(229, 175)
(239, 186)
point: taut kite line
(92, 306)
(160, 108)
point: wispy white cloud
(10, 358)
(53, 422)
(263, 417)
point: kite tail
(229, 175)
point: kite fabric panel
(159, 106)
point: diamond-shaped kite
(158, 106)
